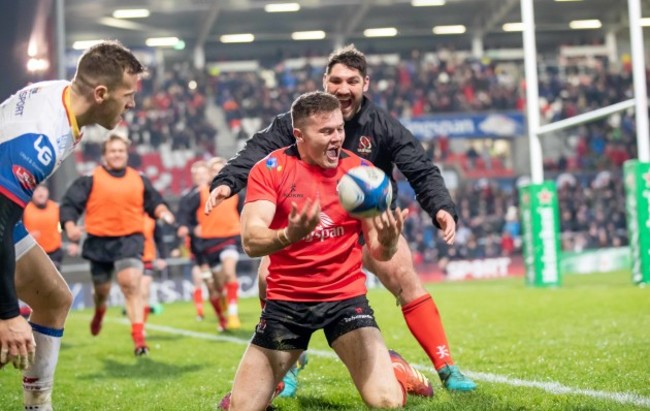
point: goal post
(538, 200)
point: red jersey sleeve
(261, 181)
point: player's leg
(198, 270)
(40, 285)
(420, 312)
(129, 276)
(290, 380)
(214, 282)
(101, 274)
(282, 334)
(145, 289)
(366, 357)
(229, 258)
(197, 295)
(257, 377)
(352, 332)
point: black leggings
(10, 214)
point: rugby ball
(365, 191)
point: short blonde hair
(114, 137)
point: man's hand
(16, 343)
(73, 231)
(448, 226)
(389, 227)
(217, 196)
(304, 222)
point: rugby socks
(137, 333)
(231, 297)
(423, 319)
(146, 311)
(96, 323)
(38, 380)
(217, 305)
(198, 301)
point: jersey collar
(72, 119)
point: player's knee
(65, 299)
(383, 397)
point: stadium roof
(343, 21)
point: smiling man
(115, 198)
(315, 282)
(373, 134)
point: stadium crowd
(171, 112)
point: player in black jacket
(374, 134)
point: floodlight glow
(34, 64)
(513, 26)
(237, 38)
(453, 29)
(645, 22)
(131, 13)
(162, 41)
(427, 3)
(381, 32)
(308, 35)
(281, 7)
(84, 44)
(585, 24)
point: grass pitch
(584, 346)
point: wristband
(283, 233)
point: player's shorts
(102, 272)
(196, 248)
(57, 258)
(23, 241)
(111, 249)
(288, 325)
(216, 249)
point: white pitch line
(551, 387)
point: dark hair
(105, 63)
(348, 56)
(312, 103)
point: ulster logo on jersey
(365, 145)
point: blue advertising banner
(468, 125)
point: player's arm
(232, 178)
(73, 205)
(154, 205)
(186, 212)
(424, 176)
(257, 238)
(382, 233)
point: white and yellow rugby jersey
(37, 132)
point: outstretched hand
(217, 196)
(16, 343)
(389, 226)
(304, 222)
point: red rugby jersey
(325, 265)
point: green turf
(590, 336)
